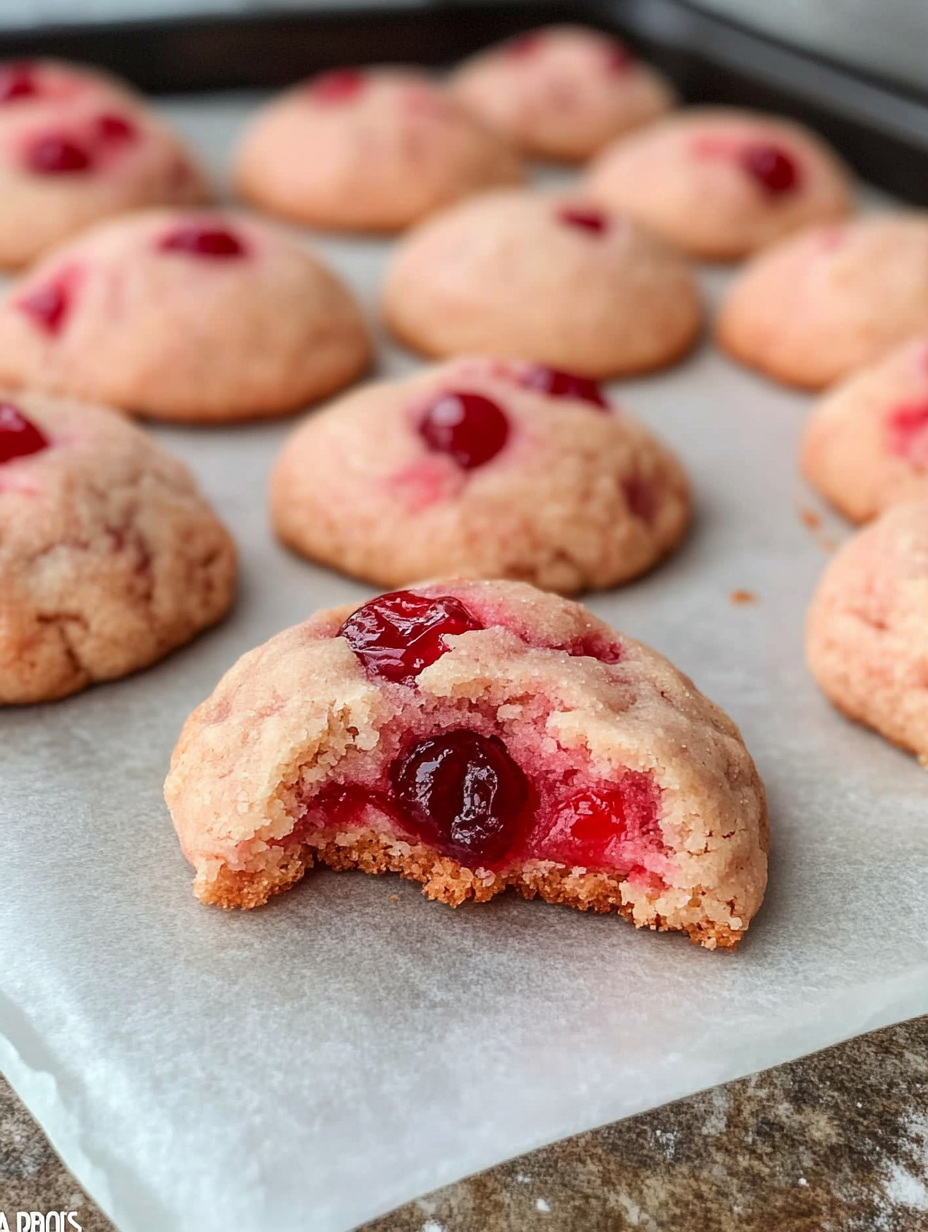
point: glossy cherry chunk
(907, 433)
(341, 86)
(19, 436)
(775, 171)
(618, 58)
(48, 304)
(397, 636)
(17, 81)
(58, 154)
(608, 828)
(584, 218)
(463, 794)
(469, 427)
(559, 384)
(203, 240)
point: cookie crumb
(394, 898)
(826, 544)
(741, 597)
(810, 519)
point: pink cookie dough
(867, 633)
(866, 443)
(552, 279)
(109, 556)
(77, 147)
(814, 307)
(474, 736)
(368, 150)
(722, 183)
(484, 468)
(562, 92)
(206, 317)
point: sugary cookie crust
(109, 556)
(301, 711)
(355, 488)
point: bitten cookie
(76, 147)
(867, 635)
(372, 150)
(866, 443)
(485, 468)
(815, 307)
(202, 317)
(473, 737)
(562, 92)
(554, 280)
(109, 556)
(722, 183)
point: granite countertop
(837, 1142)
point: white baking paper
(305, 1067)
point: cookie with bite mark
(474, 736)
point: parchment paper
(313, 1064)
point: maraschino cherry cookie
(486, 468)
(474, 736)
(867, 632)
(204, 317)
(562, 92)
(814, 307)
(866, 443)
(368, 150)
(109, 556)
(722, 183)
(76, 147)
(549, 279)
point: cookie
(866, 442)
(485, 468)
(722, 183)
(203, 317)
(562, 92)
(368, 150)
(474, 736)
(77, 147)
(867, 633)
(109, 556)
(818, 305)
(526, 276)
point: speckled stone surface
(837, 1142)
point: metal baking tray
(352, 1046)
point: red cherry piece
(907, 433)
(773, 169)
(17, 80)
(558, 384)
(463, 794)
(608, 827)
(469, 427)
(618, 58)
(19, 436)
(47, 306)
(640, 497)
(398, 635)
(56, 154)
(524, 45)
(584, 219)
(203, 240)
(115, 129)
(341, 86)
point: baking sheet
(313, 1064)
